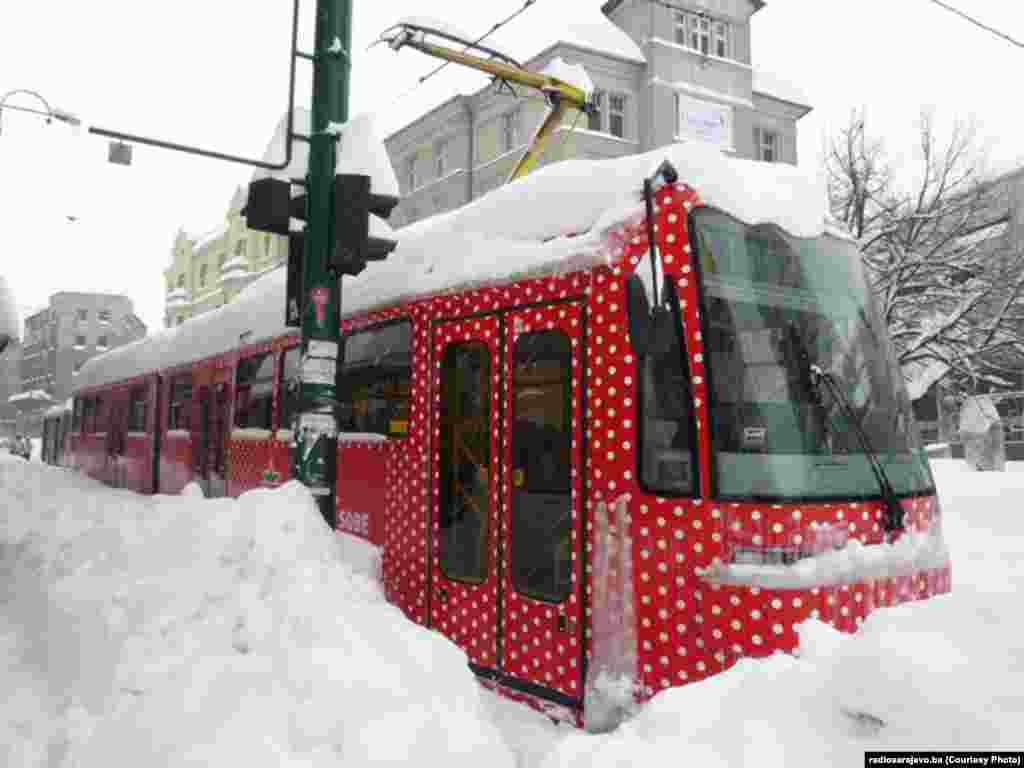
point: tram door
(208, 442)
(464, 570)
(506, 572)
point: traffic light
(268, 206)
(354, 203)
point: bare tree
(948, 281)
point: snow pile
(922, 674)
(171, 631)
(573, 74)
(360, 150)
(854, 562)
(166, 631)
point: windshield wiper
(893, 519)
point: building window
(79, 340)
(766, 144)
(721, 39)
(181, 281)
(594, 118)
(441, 158)
(510, 130)
(617, 115)
(202, 276)
(239, 250)
(104, 315)
(181, 319)
(700, 33)
(82, 315)
(101, 342)
(220, 261)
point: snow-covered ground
(174, 631)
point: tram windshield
(774, 306)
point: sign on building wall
(704, 121)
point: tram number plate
(755, 437)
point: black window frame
(484, 565)
(138, 409)
(179, 407)
(527, 589)
(263, 405)
(351, 374)
(670, 294)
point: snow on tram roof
(531, 227)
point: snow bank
(170, 631)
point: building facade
(208, 271)
(74, 327)
(10, 384)
(662, 73)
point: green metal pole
(317, 433)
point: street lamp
(50, 113)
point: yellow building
(209, 270)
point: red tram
(590, 460)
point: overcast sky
(213, 73)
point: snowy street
(171, 631)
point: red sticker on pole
(320, 298)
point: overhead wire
(975, 22)
(494, 28)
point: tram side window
(137, 410)
(667, 463)
(465, 446)
(254, 391)
(180, 402)
(288, 389)
(375, 380)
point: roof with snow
(611, 5)
(768, 84)
(528, 228)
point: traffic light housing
(269, 206)
(354, 203)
